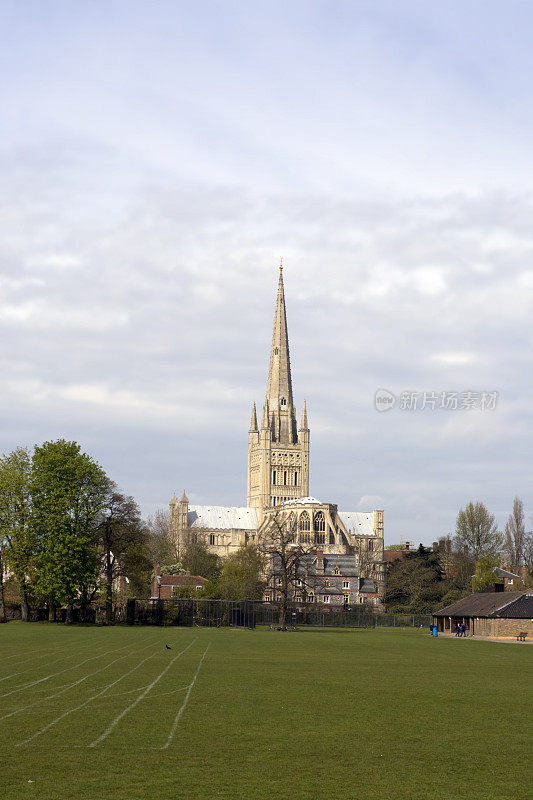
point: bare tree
(528, 552)
(163, 548)
(515, 534)
(283, 553)
(476, 531)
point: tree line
(427, 578)
(67, 532)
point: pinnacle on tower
(184, 498)
(253, 423)
(265, 422)
(303, 426)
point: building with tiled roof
(493, 613)
(166, 586)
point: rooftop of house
(511, 605)
(182, 580)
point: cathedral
(278, 483)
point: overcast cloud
(158, 159)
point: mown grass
(314, 714)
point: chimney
(157, 570)
(320, 561)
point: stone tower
(278, 453)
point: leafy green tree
(123, 542)
(240, 578)
(69, 490)
(16, 528)
(484, 574)
(476, 531)
(198, 560)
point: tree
(515, 536)
(3, 617)
(278, 545)
(197, 559)
(122, 539)
(484, 574)
(160, 542)
(528, 552)
(240, 577)
(476, 531)
(415, 581)
(69, 491)
(16, 528)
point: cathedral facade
(278, 482)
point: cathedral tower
(278, 453)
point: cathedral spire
(279, 386)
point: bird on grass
(168, 647)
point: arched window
(305, 522)
(296, 479)
(285, 478)
(274, 477)
(320, 522)
(276, 351)
(283, 401)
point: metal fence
(249, 613)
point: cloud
(154, 172)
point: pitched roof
(360, 522)
(522, 608)
(480, 604)
(182, 580)
(222, 517)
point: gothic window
(296, 479)
(337, 571)
(276, 351)
(283, 401)
(326, 582)
(370, 545)
(274, 477)
(331, 537)
(320, 522)
(320, 538)
(212, 539)
(285, 478)
(305, 522)
(305, 538)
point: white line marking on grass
(53, 675)
(82, 705)
(182, 709)
(150, 686)
(67, 686)
(40, 657)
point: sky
(157, 161)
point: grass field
(91, 713)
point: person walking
(463, 629)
